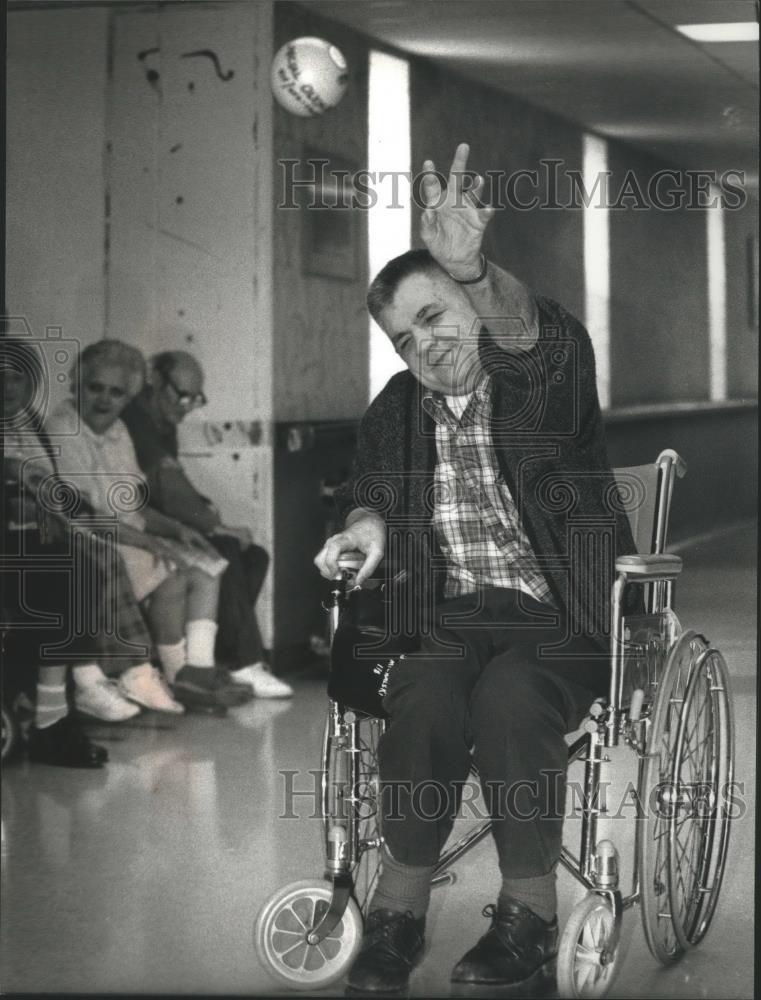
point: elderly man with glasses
(152, 418)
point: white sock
(51, 705)
(138, 669)
(172, 658)
(87, 675)
(201, 635)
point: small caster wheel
(590, 951)
(280, 936)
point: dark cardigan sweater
(549, 440)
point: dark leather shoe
(391, 943)
(198, 688)
(64, 745)
(238, 692)
(518, 950)
(196, 698)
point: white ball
(309, 75)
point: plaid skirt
(122, 637)
(70, 601)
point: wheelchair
(669, 704)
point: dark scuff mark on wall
(211, 55)
(151, 75)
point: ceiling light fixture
(727, 31)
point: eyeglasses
(187, 400)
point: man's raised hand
(453, 224)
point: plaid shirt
(475, 517)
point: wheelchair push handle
(351, 562)
(669, 457)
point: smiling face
(104, 392)
(434, 329)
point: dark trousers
(239, 642)
(500, 694)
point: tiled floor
(147, 876)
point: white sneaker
(265, 685)
(146, 686)
(99, 697)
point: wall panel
(321, 327)
(659, 300)
(543, 246)
(190, 261)
(740, 235)
(187, 247)
(56, 84)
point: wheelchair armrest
(652, 567)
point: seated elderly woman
(53, 622)
(173, 570)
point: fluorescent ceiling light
(727, 31)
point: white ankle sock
(201, 635)
(51, 705)
(172, 657)
(87, 675)
(138, 670)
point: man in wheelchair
(482, 470)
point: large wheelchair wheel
(703, 776)
(590, 950)
(281, 936)
(370, 838)
(686, 778)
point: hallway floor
(146, 877)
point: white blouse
(103, 466)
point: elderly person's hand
(160, 549)
(453, 223)
(192, 537)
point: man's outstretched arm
(452, 227)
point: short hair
(117, 354)
(384, 285)
(165, 362)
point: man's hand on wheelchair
(365, 533)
